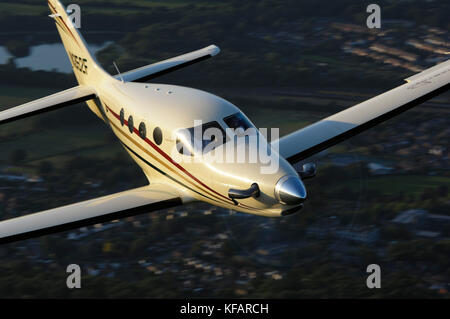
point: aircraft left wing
(154, 70)
(64, 98)
(111, 207)
(345, 124)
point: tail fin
(86, 68)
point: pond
(46, 57)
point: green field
(55, 143)
(411, 184)
(14, 8)
(397, 184)
(14, 95)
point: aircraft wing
(68, 97)
(111, 207)
(340, 126)
(154, 70)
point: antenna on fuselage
(118, 71)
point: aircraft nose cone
(290, 190)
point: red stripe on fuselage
(155, 147)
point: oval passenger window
(142, 130)
(122, 117)
(130, 124)
(157, 135)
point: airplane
(150, 120)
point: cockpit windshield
(240, 124)
(200, 138)
(206, 137)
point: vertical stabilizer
(86, 68)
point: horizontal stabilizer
(154, 70)
(107, 208)
(68, 97)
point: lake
(47, 57)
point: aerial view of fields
(380, 197)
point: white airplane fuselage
(169, 108)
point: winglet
(213, 50)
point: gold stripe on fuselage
(218, 199)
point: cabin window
(157, 135)
(142, 131)
(122, 117)
(130, 124)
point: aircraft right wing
(99, 210)
(318, 136)
(68, 97)
(154, 70)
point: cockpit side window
(182, 147)
(213, 132)
(200, 138)
(239, 122)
